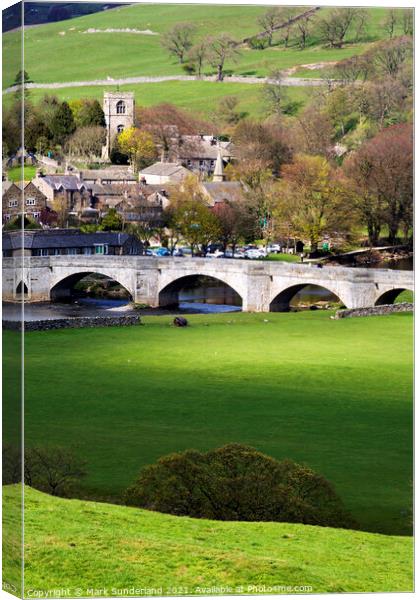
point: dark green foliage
(62, 124)
(112, 221)
(91, 114)
(237, 483)
(22, 77)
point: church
(118, 108)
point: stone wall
(73, 323)
(384, 309)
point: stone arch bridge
(262, 286)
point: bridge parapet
(149, 279)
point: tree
(390, 56)
(62, 124)
(168, 125)
(221, 49)
(227, 110)
(139, 147)
(112, 221)
(191, 216)
(287, 15)
(237, 483)
(11, 464)
(61, 209)
(87, 142)
(335, 26)
(269, 22)
(236, 222)
(178, 40)
(53, 469)
(197, 57)
(407, 21)
(275, 96)
(303, 26)
(87, 113)
(318, 201)
(261, 146)
(314, 131)
(21, 78)
(382, 172)
(390, 22)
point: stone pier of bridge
(154, 281)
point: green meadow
(58, 52)
(90, 546)
(334, 394)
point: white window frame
(13, 203)
(30, 201)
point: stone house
(199, 153)
(34, 200)
(69, 188)
(115, 175)
(56, 242)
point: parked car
(215, 254)
(178, 252)
(274, 249)
(161, 252)
(254, 253)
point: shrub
(237, 483)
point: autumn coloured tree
(382, 174)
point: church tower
(119, 114)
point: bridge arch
(281, 298)
(389, 296)
(62, 286)
(169, 290)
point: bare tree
(86, 142)
(407, 21)
(336, 25)
(53, 469)
(197, 57)
(178, 40)
(269, 22)
(391, 22)
(303, 28)
(390, 56)
(274, 94)
(221, 49)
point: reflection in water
(311, 294)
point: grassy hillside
(59, 51)
(84, 545)
(334, 394)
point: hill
(85, 545)
(71, 51)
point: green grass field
(90, 546)
(15, 174)
(57, 51)
(336, 395)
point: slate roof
(224, 190)
(117, 174)
(61, 238)
(196, 147)
(106, 189)
(67, 182)
(165, 169)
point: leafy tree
(178, 40)
(336, 25)
(53, 469)
(313, 132)
(22, 77)
(318, 201)
(62, 124)
(87, 113)
(275, 96)
(237, 483)
(139, 146)
(11, 464)
(303, 26)
(112, 221)
(191, 216)
(221, 49)
(390, 56)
